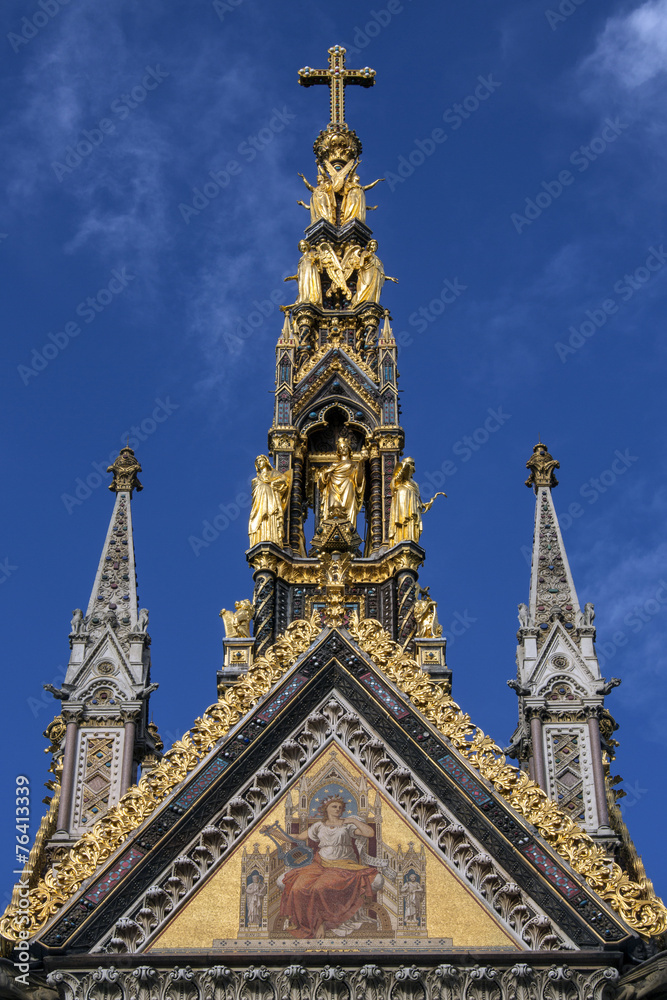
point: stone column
(72, 720)
(375, 514)
(598, 771)
(538, 751)
(127, 776)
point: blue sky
(540, 200)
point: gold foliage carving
(98, 844)
(634, 901)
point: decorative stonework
(347, 981)
(554, 598)
(334, 721)
(97, 775)
(635, 902)
(569, 772)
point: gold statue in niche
(354, 199)
(307, 276)
(342, 483)
(405, 514)
(270, 492)
(371, 275)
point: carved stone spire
(560, 689)
(114, 594)
(107, 685)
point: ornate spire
(107, 685)
(552, 592)
(334, 530)
(114, 593)
(561, 692)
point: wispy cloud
(632, 48)
(623, 570)
(121, 195)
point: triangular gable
(336, 365)
(547, 666)
(415, 900)
(106, 649)
(517, 879)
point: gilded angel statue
(307, 276)
(371, 276)
(354, 199)
(322, 198)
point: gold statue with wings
(338, 268)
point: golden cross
(337, 77)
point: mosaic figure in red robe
(323, 897)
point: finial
(287, 332)
(336, 77)
(541, 465)
(125, 470)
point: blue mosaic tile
(208, 775)
(463, 779)
(551, 871)
(385, 696)
(277, 703)
(106, 884)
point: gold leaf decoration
(634, 901)
(66, 876)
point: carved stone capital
(70, 715)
